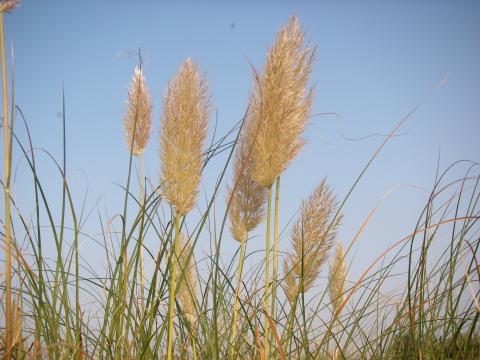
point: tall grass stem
(267, 272)
(237, 297)
(171, 293)
(6, 174)
(275, 246)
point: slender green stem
(291, 316)
(171, 293)
(237, 297)
(141, 199)
(275, 245)
(6, 173)
(267, 273)
(194, 349)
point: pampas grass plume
(138, 113)
(281, 104)
(336, 277)
(8, 5)
(312, 237)
(246, 209)
(183, 131)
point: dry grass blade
(312, 237)
(183, 131)
(138, 113)
(280, 104)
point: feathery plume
(8, 5)
(138, 112)
(246, 209)
(188, 279)
(281, 104)
(183, 132)
(336, 277)
(312, 237)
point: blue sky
(376, 61)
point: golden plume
(246, 209)
(8, 5)
(188, 278)
(183, 131)
(281, 104)
(138, 113)
(336, 277)
(312, 237)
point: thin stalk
(267, 271)
(75, 235)
(194, 349)
(6, 173)
(171, 293)
(275, 245)
(237, 296)
(291, 316)
(142, 279)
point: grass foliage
(64, 307)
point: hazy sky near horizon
(376, 60)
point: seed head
(312, 237)
(281, 104)
(246, 209)
(183, 131)
(8, 5)
(336, 277)
(138, 113)
(187, 276)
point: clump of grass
(62, 307)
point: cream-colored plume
(183, 132)
(8, 5)
(336, 277)
(138, 113)
(246, 209)
(312, 237)
(280, 104)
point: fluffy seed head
(281, 104)
(183, 131)
(138, 112)
(246, 209)
(312, 237)
(8, 5)
(187, 275)
(336, 277)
